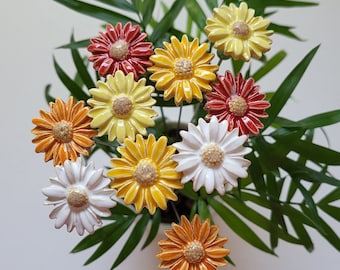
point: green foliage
(278, 196)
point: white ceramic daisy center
(119, 50)
(212, 155)
(145, 173)
(77, 197)
(122, 106)
(238, 105)
(183, 67)
(241, 30)
(194, 252)
(62, 131)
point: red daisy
(121, 48)
(239, 102)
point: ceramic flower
(183, 70)
(145, 175)
(64, 132)
(192, 246)
(121, 48)
(80, 196)
(235, 31)
(239, 102)
(212, 157)
(121, 107)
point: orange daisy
(192, 246)
(63, 133)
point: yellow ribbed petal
(161, 61)
(131, 194)
(158, 197)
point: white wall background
(29, 33)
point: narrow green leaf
(315, 121)
(167, 21)
(308, 199)
(122, 209)
(300, 171)
(257, 218)
(237, 65)
(238, 226)
(74, 88)
(287, 87)
(81, 67)
(256, 174)
(110, 240)
(328, 233)
(156, 221)
(76, 44)
(133, 240)
(283, 30)
(313, 152)
(330, 197)
(97, 12)
(302, 234)
(147, 10)
(203, 210)
(48, 97)
(269, 65)
(121, 4)
(289, 3)
(196, 13)
(331, 210)
(211, 4)
(98, 236)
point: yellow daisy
(122, 107)
(145, 175)
(193, 245)
(235, 31)
(182, 70)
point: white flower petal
(62, 216)
(102, 202)
(54, 193)
(209, 180)
(76, 175)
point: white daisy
(211, 156)
(80, 195)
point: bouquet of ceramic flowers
(231, 155)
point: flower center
(62, 131)
(145, 173)
(194, 252)
(119, 49)
(212, 156)
(241, 30)
(77, 197)
(238, 105)
(122, 106)
(183, 68)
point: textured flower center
(77, 197)
(212, 156)
(145, 173)
(119, 49)
(238, 105)
(194, 252)
(62, 131)
(241, 30)
(122, 106)
(183, 68)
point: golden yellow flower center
(194, 252)
(145, 173)
(212, 155)
(77, 197)
(122, 106)
(241, 30)
(119, 50)
(183, 68)
(238, 105)
(62, 131)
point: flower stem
(179, 116)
